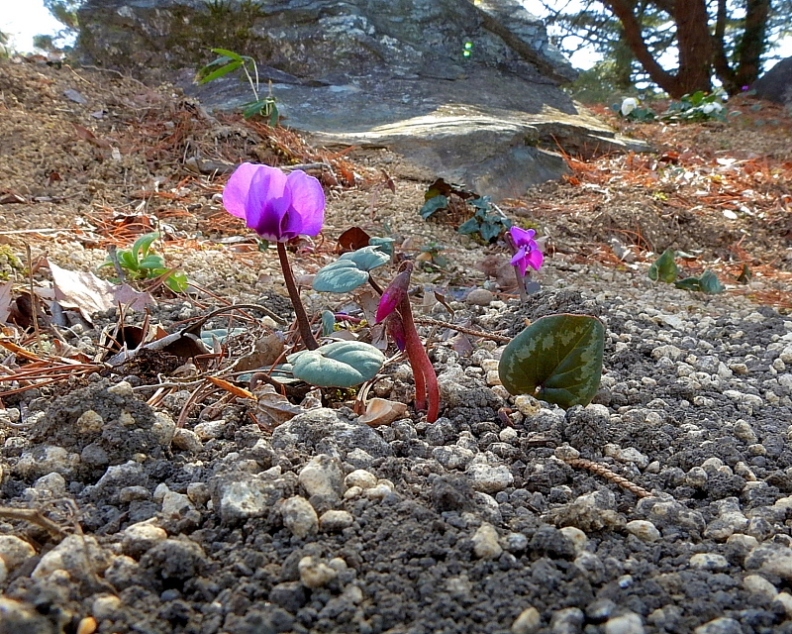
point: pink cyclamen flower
(393, 295)
(275, 206)
(528, 251)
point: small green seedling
(228, 62)
(141, 263)
(665, 269)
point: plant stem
(303, 324)
(423, 371)
(521, 281)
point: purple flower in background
(528, 251)
(275, 206)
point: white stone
(489, 479)
(708, 561)
(757, 584)
(15, 551)
(334, 520)
(578, 538)
(643, 530)
(527, 622)
(322, 476)
(314, 573)
(299, 516)
(485, 542)
(629, 623)
(360, 478)
(210, 429)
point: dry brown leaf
(5, 301)
(381, 411)
(275, 405)
(266, 352)
(89, 294)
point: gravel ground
(489, 520)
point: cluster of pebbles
(481, 522)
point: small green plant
(141, 263)
(694, 108)
(228, 62)
(9, 263)
(665, 269)
(488, 220)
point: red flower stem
(303, 323)
(423, 370)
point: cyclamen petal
(528, 251)
(395, 327)
(276, 206)
(393, 295)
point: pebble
(140, 537)
(721, 625)
(527, 622)
(322, 476)
(299, 516)
(79, 555)
(479, 297)
(241, 498)
(186, 440)
(105, 606)
(360, 478)
(176, 505)
(210, 430)
(453, 457)
(567, 621)
(382, 489)
(14, 551)
(785, 600)
(163, 428)
(643, 530)
(45, 459)
(709, 561)
(629, 623)
(334, 520)
(757, 584)
(577, 537)
(489, 479)
(485, 542)
(315, 573)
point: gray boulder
(467, 89)
(776, 84)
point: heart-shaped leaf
(707, 283)
(558, 359)
(350, 270)
(665, 268)
(339, 364)
(432, 205)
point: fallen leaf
(352, 239)
(267, 351)
(275, 405)
(381, 411)
(89, 294)
(5, 301)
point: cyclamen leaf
(339, 364)
(558, 359)
(350, 270)
(432, 205)
(665, 268)
(707, 283)
(471, 226)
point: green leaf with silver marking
(557, 359)
(339, 364)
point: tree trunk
(752, 43)
(694, 42)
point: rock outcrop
(468, 89)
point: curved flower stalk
(279, 208)
(394, 308)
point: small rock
(186, 440)
(335, 520)
(479, 297)
(643, 530)
(23, 618)
(708, 561)
(140, 537)
(105, 606)
(198, 493)
(757, 584)
(176, 505)
(785, 600)
(489, 479)
(314, 573)
(577, 537)
(163, 428)
(322, 477)
(382, 489)
(45, 459)
(453, 456)
(629, 623)
(527, 622)
(79, 555)
(721, 625)
(14, 551)
(299, 516)
(567, 621)
(289, 595)
(238, 496)
(485, 542)
(210, 430)
(132, 493)
(360, 478)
